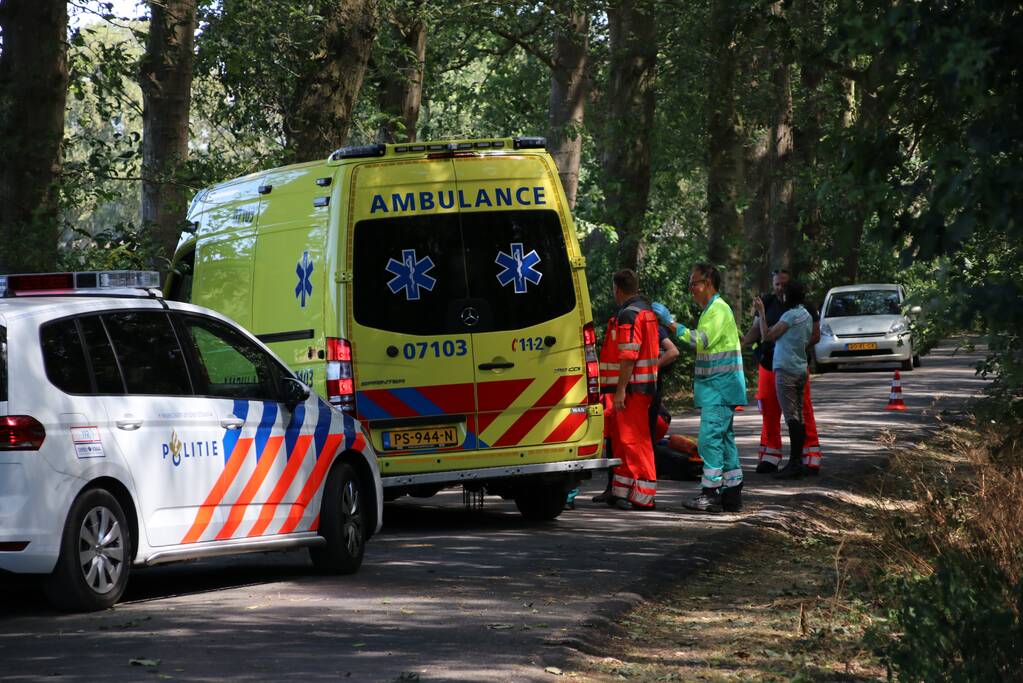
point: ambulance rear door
(413, 360)
(527, 337)
(225, 248)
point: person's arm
(815, 336)
(777, 330)
(625, 367)
(669, 353)
(752, 335)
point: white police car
(135, 431)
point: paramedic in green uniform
(719, 386)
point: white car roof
(45, 307)
(864, 288)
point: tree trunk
(568, 94)
(165, 75)
(810, 17)
(782, 211)
(319, 119)
(33, 91)
(631, 101)
(401, 79)
(725, 175)
(755, 218)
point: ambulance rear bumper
(459, 476)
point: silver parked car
(865, 324)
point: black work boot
(731, 498)
(794, 467)
(766, 467)
(708, 501)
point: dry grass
(797, 603)
(784, 608)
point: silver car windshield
(866, 302)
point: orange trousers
(770, 430)
(635, 479)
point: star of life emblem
(518, 268)
(304, 270)
(410, 274)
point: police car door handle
(496, 366)
(128, 424)
(232, 423)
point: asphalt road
(446, 593)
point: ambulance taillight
(340, 382)
(592, 364)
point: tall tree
(320, 116)
(568, 92)
(33, 92)
(165, 76)
(631, 101)
(725, 135)
(401, 71)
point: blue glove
(662, 313)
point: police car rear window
(148, 352)
(64, 357)
(417, 274)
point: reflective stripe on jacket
(631, 335)
(718, 377)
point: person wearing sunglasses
(718, 387)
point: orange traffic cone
(895, 398)
(739, 409)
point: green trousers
(721, 466)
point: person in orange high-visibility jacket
(718, 387)
(628, 374)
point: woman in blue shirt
(790, 335)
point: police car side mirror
(293, 392)
(915, 311)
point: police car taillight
(21, 433)
(592, 364)
(340, 381)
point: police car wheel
(342, 522)
(95, 555)
(541, 502)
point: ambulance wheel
(95, 555)
(342, 523)
(542, 502)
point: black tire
(821, 368)
(907, 365)
(542, 501)
(95, 555)
(342, 522)
(916, 360)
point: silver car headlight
(826, 330)
(898, 327)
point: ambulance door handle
(129, 424)
(496, 366)
(232, 423)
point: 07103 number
(435, 349)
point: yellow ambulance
(434, 290)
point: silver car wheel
(101, 550)
(351, 514)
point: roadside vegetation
(915, 576)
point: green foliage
(122, 247)
(961, 623)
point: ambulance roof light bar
(94, 282)
(359, 152)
